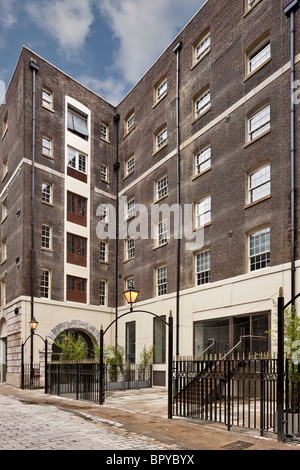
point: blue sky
(105, 44)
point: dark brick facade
(223, 71)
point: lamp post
(131, 296)
(33, 326)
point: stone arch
(78, 325)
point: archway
(86, 332)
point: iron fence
(236, 393)
(81, 380)
(36, 376)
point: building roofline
(87, 88)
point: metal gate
(235, 392)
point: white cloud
(68, 21)
(144, 29)
(8, 13)
(111, 89)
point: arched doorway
(77, 335)
(3, 350)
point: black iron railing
(81, 380)
(236, 392)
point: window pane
(259, 249)
(259, 57)
(259, 184)
(259, 123)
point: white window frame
(4, 250)
(202, 267)
(130, 123)
(258, 55)
(259, 183)
(103, 251)
(103, 213)
(202, 103)
(103, 172)
(203, 212)
(259, 249)
(161, 280)
(129, 248)
(46, 237)
(161, 89)
(4, 210)
(76, 160)
(45, 283)
(202, 160)
(161, 187)
(104, 131)
(130, 165)
(161, 138)
(162, 232)
(3, 291)
(251, 4)
(47, 193)
(103, 292)
(259, 123)
(202, 47)
(47, 98)
(130, 208)
(5, 167)
(47, 146)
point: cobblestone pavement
(42, 427)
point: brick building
(205, 134)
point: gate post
(280, 369)
(101, 401)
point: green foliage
(291, 331)
(72, 348)
(146, 358)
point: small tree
(146, 358)
(72, 348)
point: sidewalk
(144, 412)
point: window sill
(201, 226)
(48, 156)
(127, 176)
(251, 8)
(160, 99)
(201, 115)
(105, 140)
(129, 259)
(160, 148)
(160, 199)
(129, 132)
(257, 70)
(256, 138)
(159, 246)
(201, 173)
(48, 109)
(200, 60)
(257, 202)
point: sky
(107, 45)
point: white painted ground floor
(214, 315)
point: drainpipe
(34, 67)
(289, 11)
(116, 168)
(177, 50)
